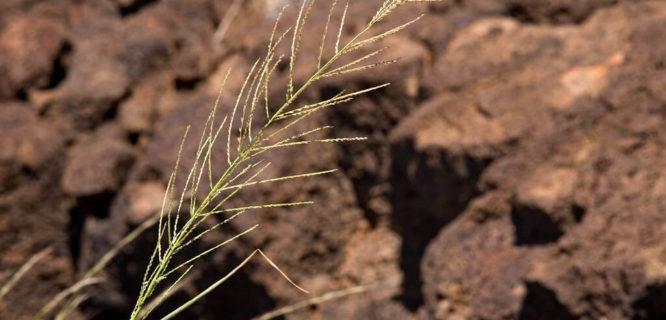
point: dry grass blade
(9, 285)
(71, 305)
(109, 255)
(281, 272)
(311, 302)
(55, 301)
(226, 21)
(223, 279)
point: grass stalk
(242, 170)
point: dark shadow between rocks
(533, 226)
(541, 303)
(96, 205)
(60, 65)
(135, 7)
(237, 298)
(429, 190)
(652, 305)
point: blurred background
(515, 168)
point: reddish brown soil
(513, 169)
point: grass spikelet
(382, 35)
(342, 24)
(325, 33)
(357, 69)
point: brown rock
(138, 113)
(145, 200)
(26, 141)
(577, 224)
(454, 124)
(547, 189)
(96, 165)
(109, 58)
(28, 47)
(94, 80)
(30, 204)
(528, 185)
(472, 270)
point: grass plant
(179, 223)
(243, 165)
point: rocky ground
(513, 170)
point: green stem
(243, 156)
(209, 289)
